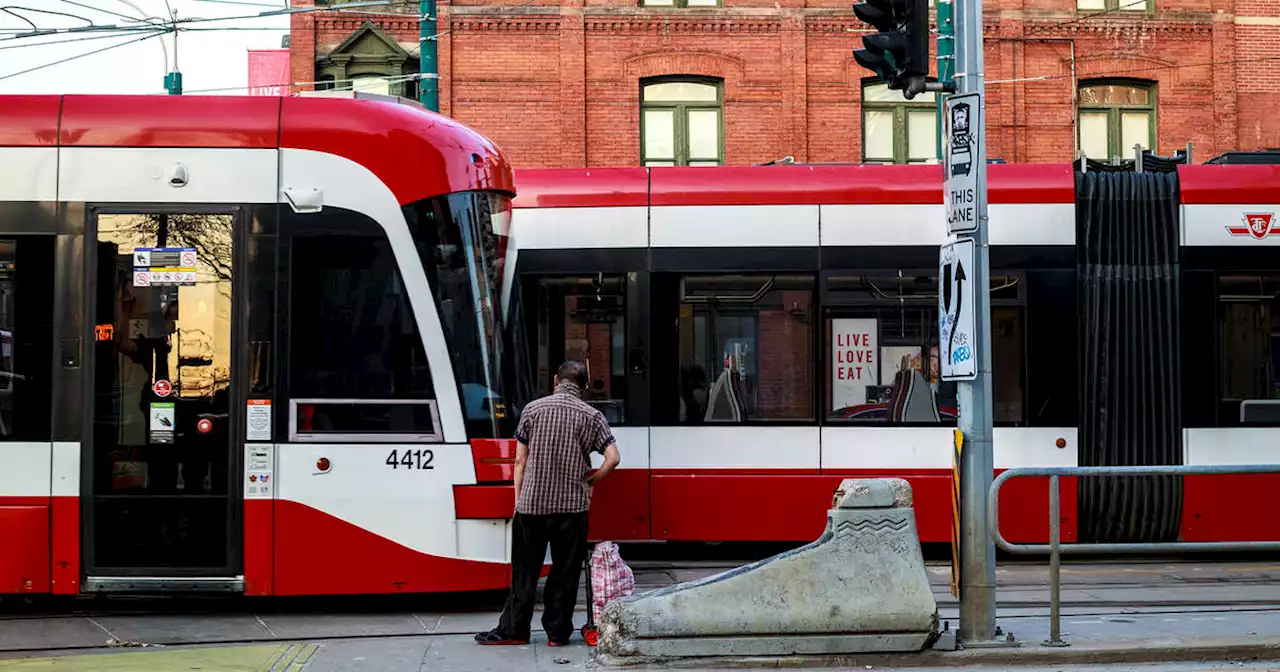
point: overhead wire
(8, 10)
(32, 45)
(84, 55)
(126, 17)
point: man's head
(572, 371)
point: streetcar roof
(418, 154)
(855, 184)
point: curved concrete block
(861, 586)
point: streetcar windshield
(462, 239)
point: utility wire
(8, 10)
(180, 24)
(126, 17)
(33, 45)
(78, 56)
(348, 84)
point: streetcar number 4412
(411, 459)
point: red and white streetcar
(274, 346)
(251, 346)
(759, 333)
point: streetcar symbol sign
(162, 388)
(962, 152)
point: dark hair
(574, 372)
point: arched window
(1115, 116)
(897, 130)
(681, 123)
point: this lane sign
(956, 341)
(962, 152)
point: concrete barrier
(860, 587)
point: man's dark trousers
(567, 535)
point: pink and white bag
(611, 578)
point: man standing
(556, 437)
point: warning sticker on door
(258, 472)
(162, 422)
(154, 266)
(258, 425)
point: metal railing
(1055, 549)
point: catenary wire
(84, 55)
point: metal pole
(977, 550)
(946, 58)
(1055, 560)
(429, 82)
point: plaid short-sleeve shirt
(561, 431)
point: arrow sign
(951, 345)
(956, 337)
(946, 289)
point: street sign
(956, 294)
(962, 151)
(162, 388)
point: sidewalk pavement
(457, 653)
(1111, 614)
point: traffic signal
(899, 52)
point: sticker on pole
(162, 388)
(963, 154)
(956, 304)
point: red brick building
(571, 83)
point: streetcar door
(162, 511)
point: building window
(897, 130)
(746, 348)
(1115, 116)
(1249, 322)
(1114, 5)
(681, 123)
(881, 336)
(679, 3)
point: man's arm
(611, 461)
(522, 456)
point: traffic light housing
(899, 52)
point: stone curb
(1146, 651)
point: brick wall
(556, 82)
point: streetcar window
(746, 345)
(881, 342)
(26, 335)
(1249, 322)
(356, 361)
(584, 318)
(461, 240)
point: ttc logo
(1256, 224)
